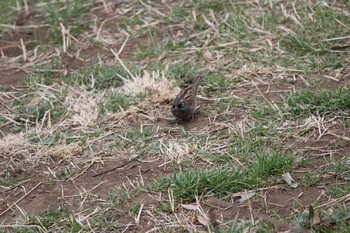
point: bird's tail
(195, 86)
(196, 83)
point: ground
(88, 141)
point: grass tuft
(270, 165)
(222, 181)
(308, 103)
(196, 182)
(69, 13)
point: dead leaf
(207, 56)
(190, 207)
(288, 178)
(203, 220)
(316, 219)
(253, 50)
(243, 196)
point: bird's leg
(192, 117)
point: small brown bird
(184, 105)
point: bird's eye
(182, 105)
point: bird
(184, 105)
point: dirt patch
(54, 193)
(12, 78)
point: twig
(73, 178)
(250, 208)
(332, 202)
(137, 218)
(338, 136)
(123, 65)
(262, 95)
(16, 202)
(116, 167)
(12, 187)
(119, 60)
(23, 226)
(64, 32)
(122, 47)
(10, 46)
(101, 137)
(98, 34)
(332, 78)
(26, 8)
(24, 26)
(337, 38)
(9, 119)
(224, 45)
(24, 51)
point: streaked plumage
(184, 105)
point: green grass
(338, 190)
(272, 164)
(40, 110)
(255, 140)
(306, 103)
(7, 180)
(103, 77)
(112, 211)
(223, 181)
(337, 217)
(324, 102)
(216, 6)
(183, 72)
(29, 112)
(139, 141)
(116, 102)
(7, 11)
(95, 76)
(167, 46)
(196, 182)
(310, 179)
(47, 74)
(339, 167)
(52, 217)
(70, 13)
(311, 38)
